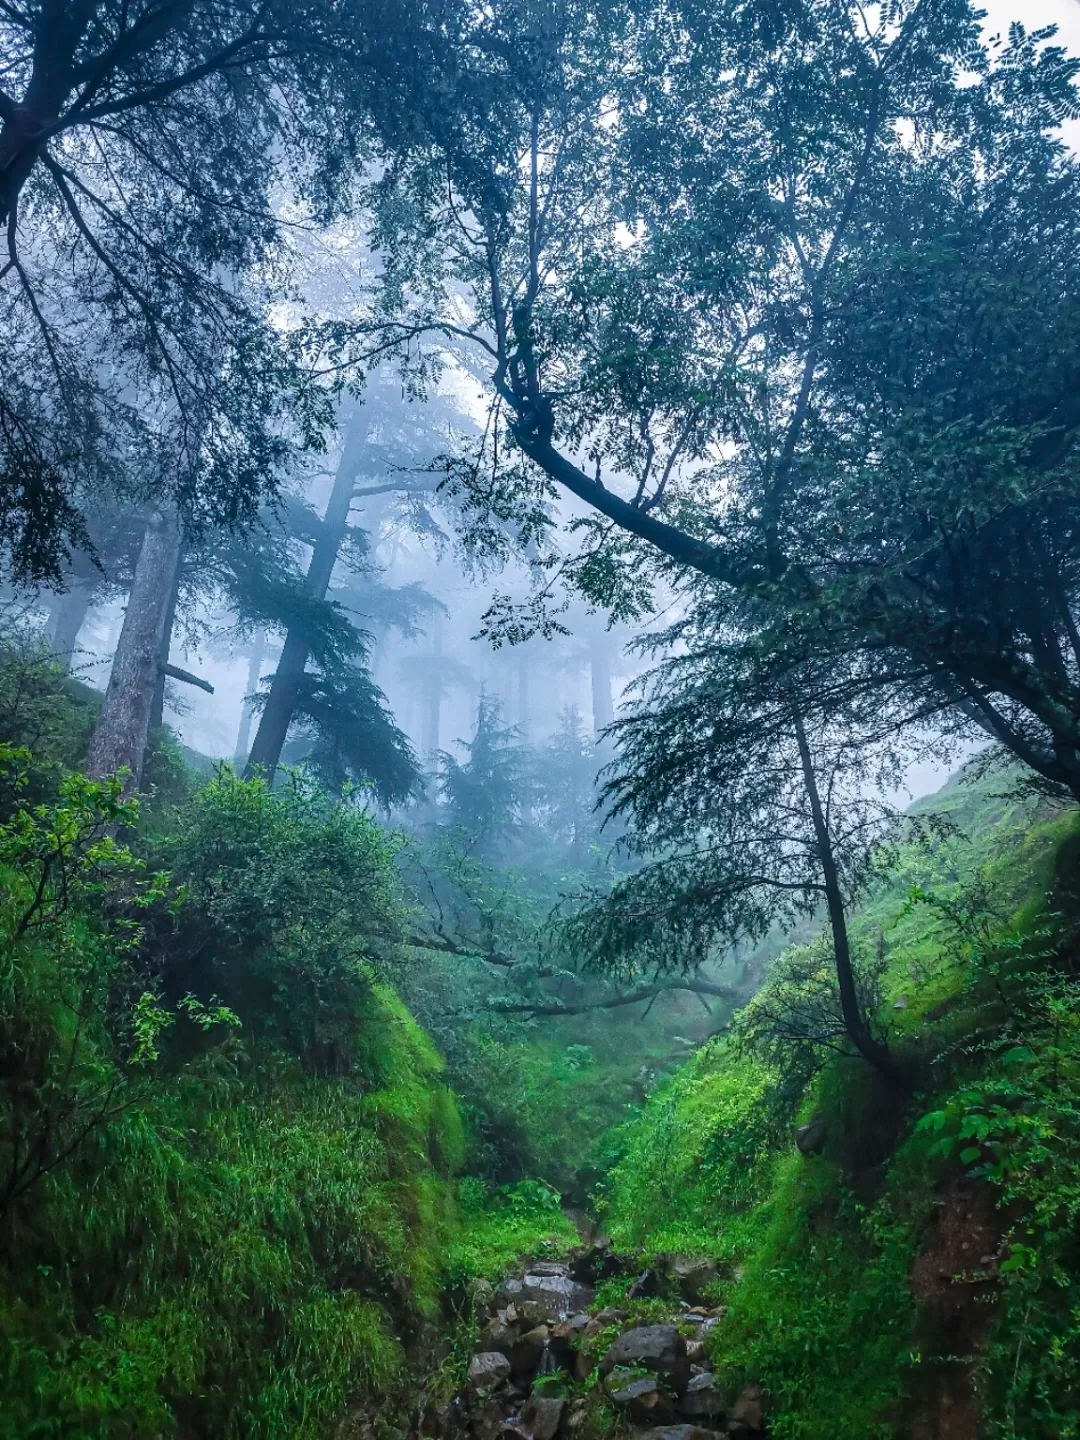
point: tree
(566, 776)
(144, 151)
(757, 269)
(486, 793)
(121, 734)
(746, 814)
(378, 440)
(338, 723)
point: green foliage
(697, 1160)
(500, 1226)
(823, 1315)
(291, 911)
(205, 1227)
(535, 1105)
(78, 1020)
(485, 793)
(42, 709)
(978, 938)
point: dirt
(955, 1282)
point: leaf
(934, 1120)
(970, 1154)
(1018, 1055)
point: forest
(539, 720)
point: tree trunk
(858, 1031)
(281, 701)
(119, 740)
(157, 710)
(68, 616)
(247, 709)
(600, 664)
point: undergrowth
(824, 1254)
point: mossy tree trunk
(119, 740)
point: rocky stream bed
(552, 1365)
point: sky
(1033, 14)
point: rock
(487, 1369)
(583, 1365)
(549, 1267)
(597, 1262)
(488, 1421)
(695, 1351)
(693, 1277)
(528, 1350)
(703, 1399)
(810, 1137)
(510, 1314)
(534, 1312)
(558, 1296)
(677, 1432)
(577, 1417)
(508, 1292)
(748, 1410)
(542, 1416)
(483, 1296)
(659, 1348)
(433, 1420)
(498, 1335)
(603, 1318)
(645, 1402)
(648, 1284)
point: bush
(697, 1159)
(291, 912)
(204, 1228)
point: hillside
(896, 1262)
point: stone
(748, 1410)
(583, 1365)
(487, 1422)
(703, 1399)
(645, 1402)
(487, 1369)
(483, 1296)
(498, 1335)
(648, 1284)
(534, 1312)
(603, 1318)
(528, 1350)
(542, 1416)
(810, 1137)
(659, 1348)
(597, 1262)
(576, 1418)
(678, 1432)
(549, 1267)
(558, 1295)
(433, 1420)
(693, 1277)
(695, 1351)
